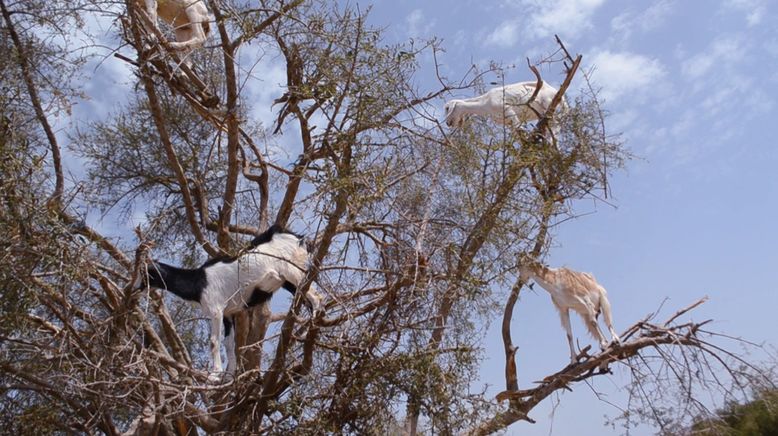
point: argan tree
(414, 231)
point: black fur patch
(258, 296)
(292, 288)
(186, 283)
(227, 326)
(289, 286)
(219, 259)
(267, 235)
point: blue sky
(693, 87)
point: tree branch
(164, 136)
(651, 336)
(26, 70)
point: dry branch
(591, 365)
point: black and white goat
(225, 286)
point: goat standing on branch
(572, 290)
(190, 20)
(509, 104)
(227, 285)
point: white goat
(227, 285)
(505, 104)
(190, 20)
(572, 290)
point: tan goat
(572, 290)
(189, 18)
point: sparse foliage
(757, 417)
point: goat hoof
(216, 377)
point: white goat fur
(505, 104)
(573, 290)
(233, 285)
(190, 20)
(259, 268)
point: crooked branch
(587, 365)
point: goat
(225, 286)
(505, 104)
(190, 20)
(572, 290)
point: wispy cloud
(622, 73)
(567, 17)
(754, 10)
(723, 51)
(542, 18)
(505, 35)
(418, 24)
(629, 22)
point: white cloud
(265, 81)
(418, 24)
(754, 9)
(565, 17)
(723, 51)
(723, 96)
(413, 19)
(624, 24)
(538, 19)
(740, 92)
(622, 73)
(505, 35)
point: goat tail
(605, 306)
(563, 105)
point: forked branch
(648, 335)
